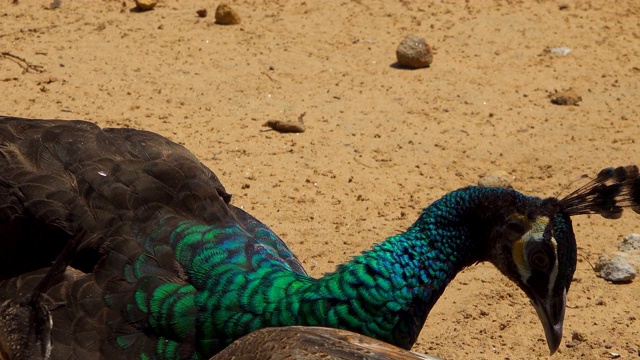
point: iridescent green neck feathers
(237, 285)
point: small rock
(202, 13)
(146, 5)
(630, 242)
(48, 80)
(562, 50)
(414, 52)
(498, 178)
(285, 126)
(566, 98)
(616, 269)
(225, 15)
(578, 336)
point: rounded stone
(146, 5)
(630, 242)
(414, 52)
(616, 269)
(226, 15)
(566, 98)
(498, 178)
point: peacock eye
(539, 260)
(517, 224)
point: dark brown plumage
(45, 166)
(313, 343)
(60, 178)
(25, 321)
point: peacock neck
(238, 284)
(388, 291)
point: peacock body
(167, 268)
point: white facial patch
(554, 271)
(535, 233)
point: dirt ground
(381, 142)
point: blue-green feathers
(238, 284)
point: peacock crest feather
(167, 268)
(612, 190)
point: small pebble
(566, 98)
(285, 126)
(498, 178)
(414, 52)
(146, 5)
(578, 336)
(630, 242)
(225, 15)
(616, 269)
(202, 13)
(48, 80)
(564, 51)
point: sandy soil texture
(381, 142)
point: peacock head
(535, 246)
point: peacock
(165, 267)
(312, 343)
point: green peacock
(165, 267)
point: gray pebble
(630, 242)
(616, 269)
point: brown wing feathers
(61, 178)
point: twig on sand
(23, 63)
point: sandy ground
(381, 142)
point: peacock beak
(551, 313)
